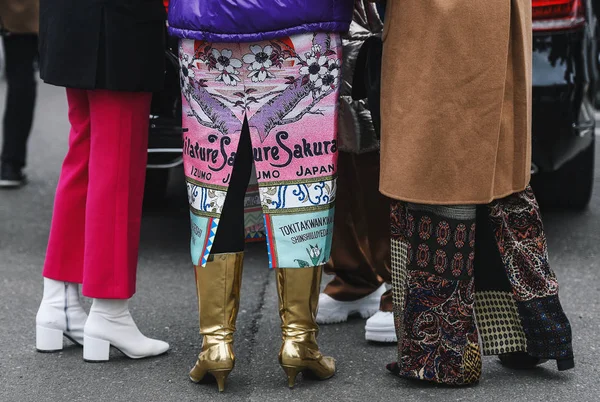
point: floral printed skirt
(287, 91)
(458, 295)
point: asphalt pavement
(165, 307)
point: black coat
(103, 44)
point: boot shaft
(58, 292)
(218, 285)
(298, 291)
(110, 307)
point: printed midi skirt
(465, 276)
(286, 90)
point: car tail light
(553, 15)
(166, 4)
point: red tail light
(552, 15)
(166, 4)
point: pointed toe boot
(298, 290)
(218, 285)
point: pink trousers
(95, 231)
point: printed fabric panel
(254, 224)
(519, 233)
(499, 323)
(439, 341)
(287, 91)
(496, 310)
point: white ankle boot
(60, 313)
(111, 324)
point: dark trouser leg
(378, 222)
(21, 52)
(432, 269)
(496, 309)
(360, 250)
(519, 233)
(230, 234)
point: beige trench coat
(20, 16)
(456, 100)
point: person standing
(360, 253)
(19, 22)
(109, 54)
(260, 84)
(469, 252)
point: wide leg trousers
(467, 273)
(95, 230)
(360, 252)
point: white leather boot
(111, 324)
(60, 313)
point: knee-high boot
(218, 285)
(298, 290)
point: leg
(60, 312)
(21, 51)
(298, 293)
(117, 167)
(356, 286)
(230, 234)
(64, 257)
(377, 209)
(498, 318)
(119, 135)
(380, 327)
(351, 258)
(438, 339)
(216, 190)
(496, 308)
(519, 234)
(218, 283)
(298, 192)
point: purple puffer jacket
(252, 20)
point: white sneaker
(381, 328)
(111, 324)
(60, 314)
(332, 311)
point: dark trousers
(360, 253)
(230, 237)
(21, 53)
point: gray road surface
(165, 307)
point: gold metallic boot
(218, 285)
(298, 290)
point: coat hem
(462, 202)
(99, 87)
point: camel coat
(456, 100)
(19, 16)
